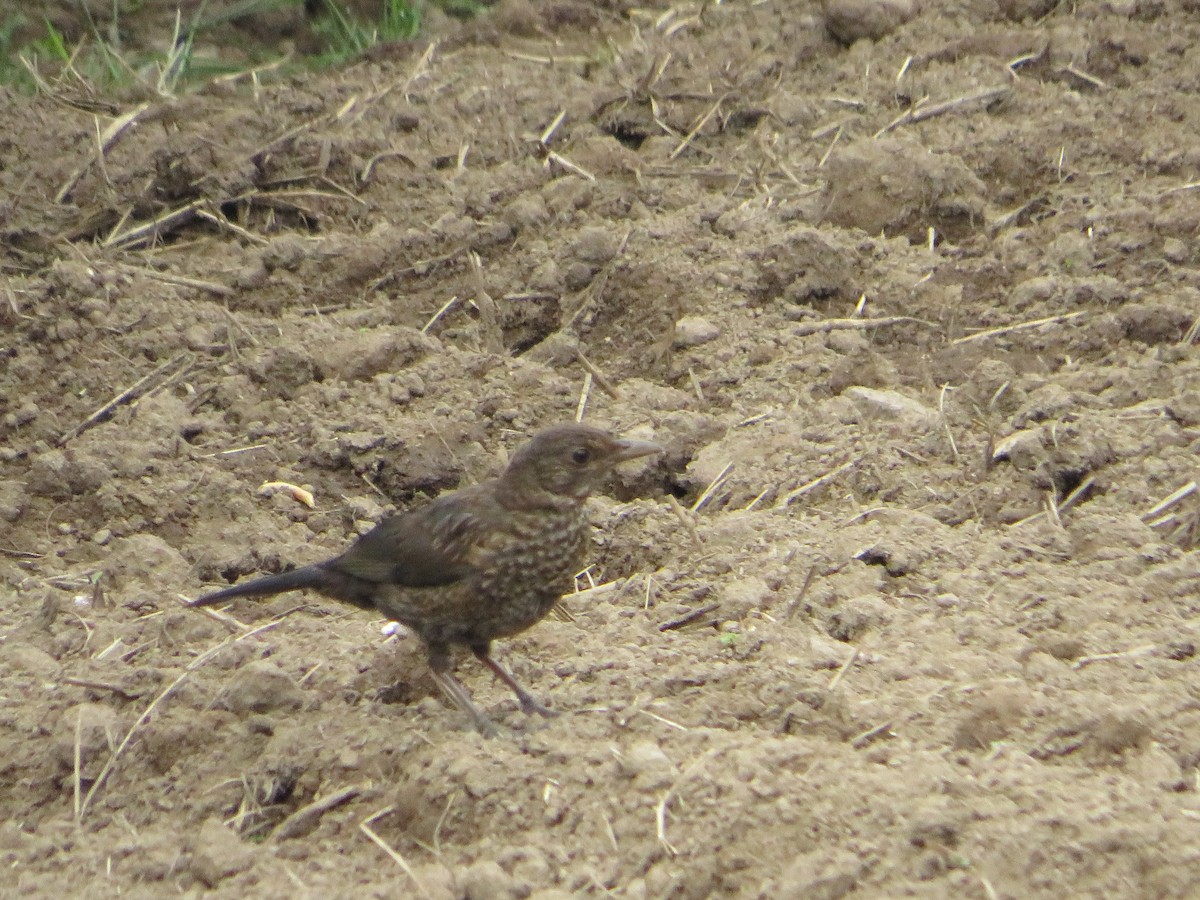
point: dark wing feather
(430, 547)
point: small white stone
(691, 331)
(648, 765)
(395, 631)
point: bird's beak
(625, 448)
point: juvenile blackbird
(480, 563)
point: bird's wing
(439, 544)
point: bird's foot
(456, 692)
(529, 706)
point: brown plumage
(480, 563)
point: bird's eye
(581, 455)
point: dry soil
(908, 608)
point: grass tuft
(95, 56)
(346, 37)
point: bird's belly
(520, 591)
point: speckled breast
(533, 569)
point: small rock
(527, 211)
(1157, 321)
(897, 186)
(577, 276)
(742, 596)
(261, 687)
(1175, 250)
(147, 561)
(650, 768)
(826, 654)
(848, 343)
(13, 498)
(362, 356)
(854, 617)
(595, 245)
(1184, 408)
(932, 825)
(1071, 252)
(364, 509)
(1156, 766)
(64, 474)
(1051, 401)
(852, 20)
(1021, 448)
(691, 331)
(893, 405)
(22, 416)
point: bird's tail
(306, 577)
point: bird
(483, 562)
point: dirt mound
(906, 609)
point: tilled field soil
(907, 608)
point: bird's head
(565, 463)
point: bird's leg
(439, 665)
(483, 652)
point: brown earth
(924, 378)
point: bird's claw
(529, 706)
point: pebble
(1021, 448)
(1175, 250)
(741, 597)
(260, 687)
(692, 331)
(650, 768)
(852, 20)
(595, 245)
